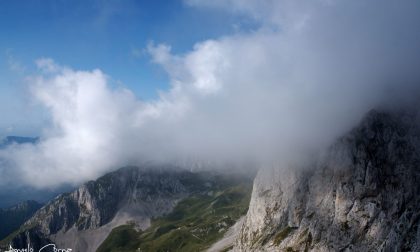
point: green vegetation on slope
(195, 223)
(122, 239)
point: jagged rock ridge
(82, 219)
(362, 196)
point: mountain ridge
(83, 219)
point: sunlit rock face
(362, 195)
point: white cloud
(271, 94)
(85, 119)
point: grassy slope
(195, 224)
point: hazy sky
(265, 81)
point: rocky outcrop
(82, 219)
(363, 195)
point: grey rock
(362, 195)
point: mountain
(363, 195)
(196, 222)
(11, 218)
(158, 201)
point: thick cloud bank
(287, 89)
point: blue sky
(105, 34)
(88, 34)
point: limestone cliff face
(82, 219)
(364, 195)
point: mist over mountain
(320, 97)
(283, 91)
(362, 195)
